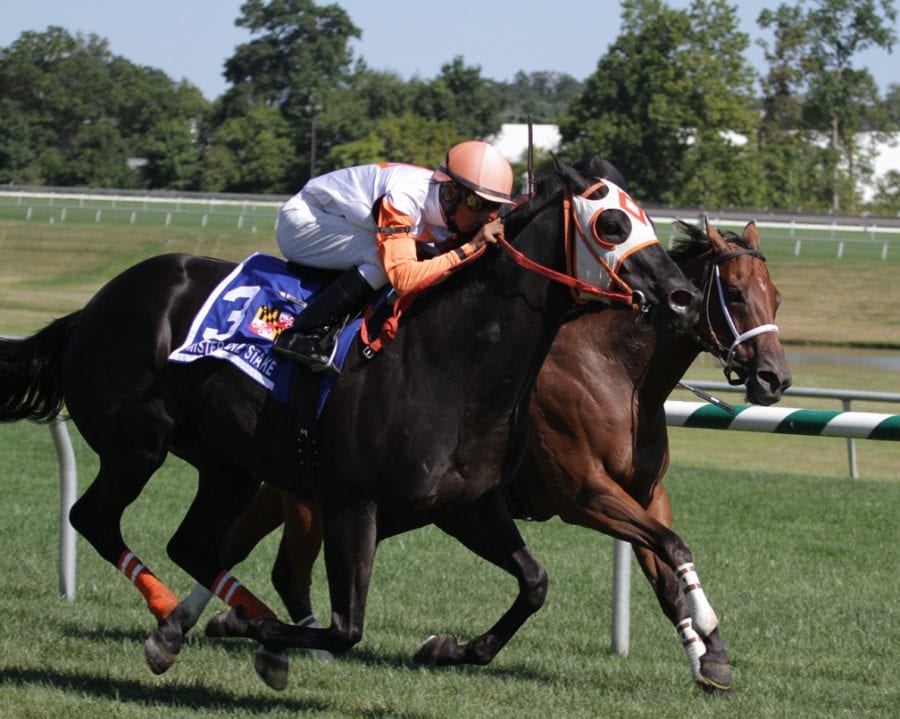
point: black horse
(421, 433)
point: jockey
(366, 221)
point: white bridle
(739, 337)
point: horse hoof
(271, 665)
(163, 644)
(158, 657)
(715, 677)
(437, 650)
(216, 626)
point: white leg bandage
(692, 644)
(704, 618)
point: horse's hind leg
(224, 490)
(708, 659)
(97, 517)
(300, 544)
(350, 544)
(261, 517)
(488, 529)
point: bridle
(735, 374)
(575, 234)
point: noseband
(734, 372)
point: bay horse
(422, 432)
(597, 462)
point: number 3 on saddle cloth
(241, 319)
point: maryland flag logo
(270, 322)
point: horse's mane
(547, 187)
(694, 242)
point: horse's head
(740, 302)
(614, 248)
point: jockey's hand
(488, 234)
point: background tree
(837, 100)
(73, 113)
(461, 96)
(172, 155)
(892, 108)
(664, 102)
(399, 138)
(350, 114)
(791, 161)
(298, 59)
(839, 94)
(721, 164)
(887, 195)
(545, 96)
(250, 153)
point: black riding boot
(310, 340)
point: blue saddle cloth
(246, 312)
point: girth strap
(302, 404)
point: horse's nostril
(681, 299)
(774, 381)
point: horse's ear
(599, 168)
(573, 177)
(713, 234)
(750, 235)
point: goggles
(477, 203)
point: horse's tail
(30, 372)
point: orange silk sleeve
(397, 251)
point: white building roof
(512, 140)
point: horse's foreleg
(488, 529)
(611, 510)
(300, 544)
(707, 657)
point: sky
(191, 39)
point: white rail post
(67, 490)
(621, 609)
(851, 447)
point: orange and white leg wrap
(234, 594)
(704, 618)
(160, 599)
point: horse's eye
(600, 192)
(613, 226)
(734, 296)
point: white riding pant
(311, 236)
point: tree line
(673, 102)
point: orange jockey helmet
(480, 168)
